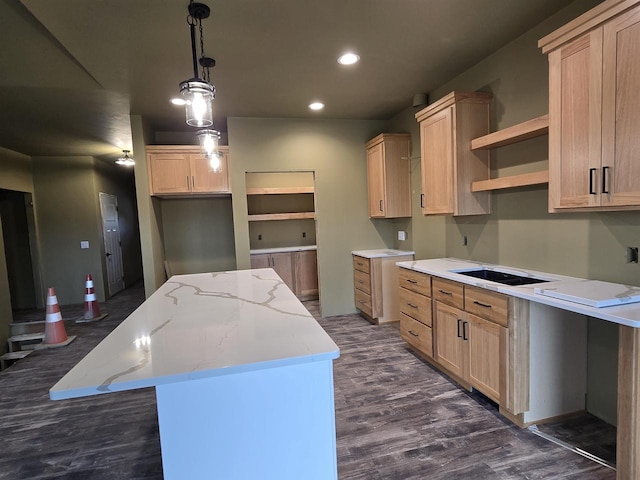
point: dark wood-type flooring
(396, 417)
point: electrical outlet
(259, 237)
(304, 234)
(632, 254)
(402, 235)
(84, 244)
(464, 241)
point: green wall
(334, 150)
(519, 232)
(66, 215)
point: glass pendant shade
(209, 140)
(198, 96)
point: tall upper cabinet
(389, 175)
(594, 109)
(449, 166)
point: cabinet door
(376, 181)
(282, 263)
(575, 123)
(170, 173)
(204, 180)
(487, 345)
(261, 260)
(436, 143)
(621, 111)
(306, 273)
(450, 347)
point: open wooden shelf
(278, 190)
(281, 216)
(521, 180)
(517, 133)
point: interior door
(112, 248)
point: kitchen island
(243, 377)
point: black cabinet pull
(444, 292)
(422, 200)
(605, 177)
(412, 305)
(411, 281)
(482, 304)
(381, 205)
(464, 330)
(592, 190)
(414, 334)
(459, 322)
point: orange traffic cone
(91, 308)
(54, 331)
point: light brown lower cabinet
(298, 270)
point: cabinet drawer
(415, 281)
(363, 302)
(448, 292)
(486, 304)
(361, 263)
(416, 306)
(416, 334)
(362, 281)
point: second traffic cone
(91, 308)
(54, 331)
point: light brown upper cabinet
(449, 166)
(389, 175)
(594, 110)
(183, 170)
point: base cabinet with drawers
(375, 281)
(474, 335)
(415, 310)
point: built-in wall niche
(281, 209)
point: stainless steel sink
(502, 277)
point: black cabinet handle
(605, 177)
(464, 330)
(444, 292)
(482, 304)
(422, 200)
(381, 205)
(592, 181)
(414, 334)
(459, 323)
(411, 281)
(412, 305)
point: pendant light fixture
(209, 140)
(198, 92)
(125, 160)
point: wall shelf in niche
(281, 216)
(517, 133)
(278, 190)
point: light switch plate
(84, 244)
(402, 235)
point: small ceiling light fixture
(348, 58)
(198, 92)
(316, 106)
(125, 160)
(209, 140)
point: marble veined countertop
(301, 248)
(558, 289)
(382, 252)
(199, 326)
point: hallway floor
(396, 417)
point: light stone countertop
(382, 252)
(199, 326)
(628, 314)
(301, 248)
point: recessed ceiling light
(316, 106)
(348, 58)
(178, 101)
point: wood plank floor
(396, 417)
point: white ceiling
(73, 70)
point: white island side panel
(199, 326)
